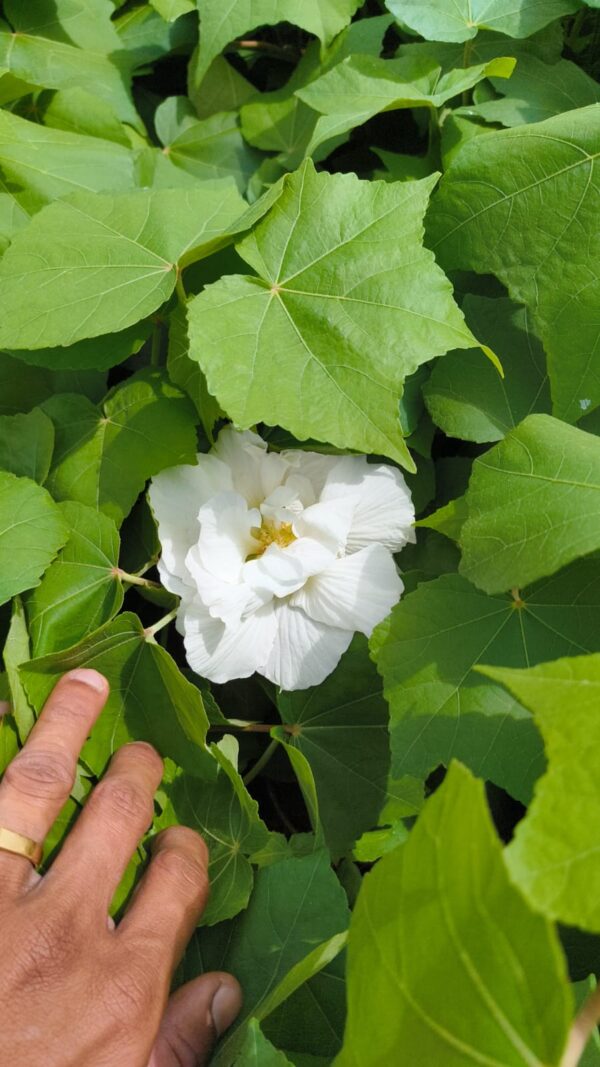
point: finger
(170, 897)
(197, 1014)
(37, 783)
(115, 817)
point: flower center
(271, 533)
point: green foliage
(304, 218)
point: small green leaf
(103, 457)
(537, 91)
(348, 299)
(533, 504)
(26, 444)
(460, 20)
(16, 651)
(209, 148)
(95, 353)
(150, 700)
(81, 590)
(31, 532)
(257, 1051)
(446, 962)
(553, 857)
(186, 373)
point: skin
(76, 989)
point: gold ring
(21, 846)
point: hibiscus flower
(278, 557)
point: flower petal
(280, 571)
(175, 495)
(225, 540)
(228, 601)
(328, 522)
(384, 511)
(221, 653)
(304, 652)
(312, 465)
(255, 472)
(355, 592)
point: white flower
(278, 558)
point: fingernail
(90, 678)
(225, 1006)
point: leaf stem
(466, 95)
(287, 52)
(180, 288)
(582, 1029)
(261, 762)
(135, 579)
(150, 631)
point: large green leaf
(228, 819)
(341, 727)
(446, 962)
(427, 651)
(539, 90)
(533, 505)
(460, 20)
(554, 855)
(221, 23)
(208, 148)
(362, 86)
(53, 163)
(98, 353)
(150, 700)
(81, 589)
(26, 444)
(467, 397)
(23, 388)
(104, 456)
(346, 304)
(95, 264)
(296, 904)
(32, 530)
(536, 185)
(84, 23)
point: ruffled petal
(255, 472)
(329, 522)
(175, 496)
(383, 512)
(225, 540)
(228, 601)
(355, 592)
(221, 653)
(311, 465)
(280, 571)
(304, 652)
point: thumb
(196, 1016)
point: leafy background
(370, 227)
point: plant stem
(150, 631)
(156, 345)
(582, 1030)
(261, 762)
(466, 96)
(136, 579)
(287, 52)
(181, 293)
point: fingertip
(226, 1003)
(88, 677)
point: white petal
(221, 653)
(311, 465)
(255, 472)
(228, 601)
(282, 505)
(304, 652)
(354, 593)
(328, 522)
(175, 496)
(280, 571)
(225, 540)
(384, 511)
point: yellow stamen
(271, 533)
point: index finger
(37, 783)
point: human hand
(76, 989)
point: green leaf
(15, 211)
(347, 298)
(324, 18)
(80, 111)
(81, 590)
(209, 148)
(223, 88)
(26, 444)
(535, 186)
(95, 264)
(362, 86)
(31, 532)
(85, 23)
(95, 353)
(460, 20)
(23, 388)
(228, 819)
(9, 741)
(257, 1051)
(16, 651)
(186, 373)
(146, 37)
(341, 727)
(296, 904)
(172, 9)
(104, 456)
(53, 163)
(532, 505)
(557, 869)
(437, 976)
(467, 397)
(427, 650)
(537, 91)
(150, 700)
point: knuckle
(44, 775)
(124, 799)
(185, 870)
